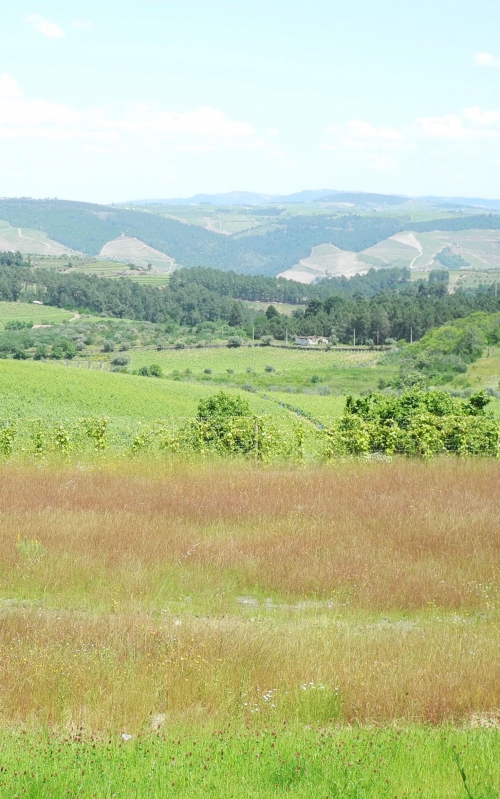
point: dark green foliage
(222, 406)
(451, 260)
(379, 305)
(153, 370)
(415, 423)
(439, 276)
(459, 222)
(17, 324)
(120, 361)
(446, 351)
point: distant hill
(465, 202)
(87, 228)
(241, 198)
(362, 198)
(270, 250)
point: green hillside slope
(87, 228)
(47, 391)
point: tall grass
(357, 592)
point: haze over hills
(357, 198)
(302, 241)
(242, 198)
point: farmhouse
(308, 341)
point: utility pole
(354, 336)
(286, 335)
(411, 335)
(253, 332)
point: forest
(376, 307)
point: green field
(415, 763)
(43, 390)
(29, 312)
(287, 368)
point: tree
(272, 313)
(222, 406)
(236, 318)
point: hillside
(280, 241)
(54, 391)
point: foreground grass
(353, 763)
(217, 593)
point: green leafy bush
(415, 423)
(153, 370)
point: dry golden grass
(146, 594)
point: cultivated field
(479, 248)
(131, 250)
(29, 241)
(55, 391)
(183, 629)
(29, 312)
(271, 367)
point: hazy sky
(108, 101)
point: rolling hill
(284, 241)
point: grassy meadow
(29, 312)
(55, 391)
(187, 629)
(197, 627)
(277, 368)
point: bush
(222, 406)
(269, 368)
(16, 324)
(266, 341)
(415, 423)
(42, 351)
(234, 342)
(153, 370)
(120, 360)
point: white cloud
(486, 60)
(82, 24)
(362, 136)
(474, 114)
(359, 130)
(198, 130)
(472, 123)
(9, 86)
(45, 26)
(204, 121)
(448, 126)
(369, 144)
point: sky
(112, 101)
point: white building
(310, 341)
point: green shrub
(415, 423)
(153, 370)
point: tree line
(374, 307)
